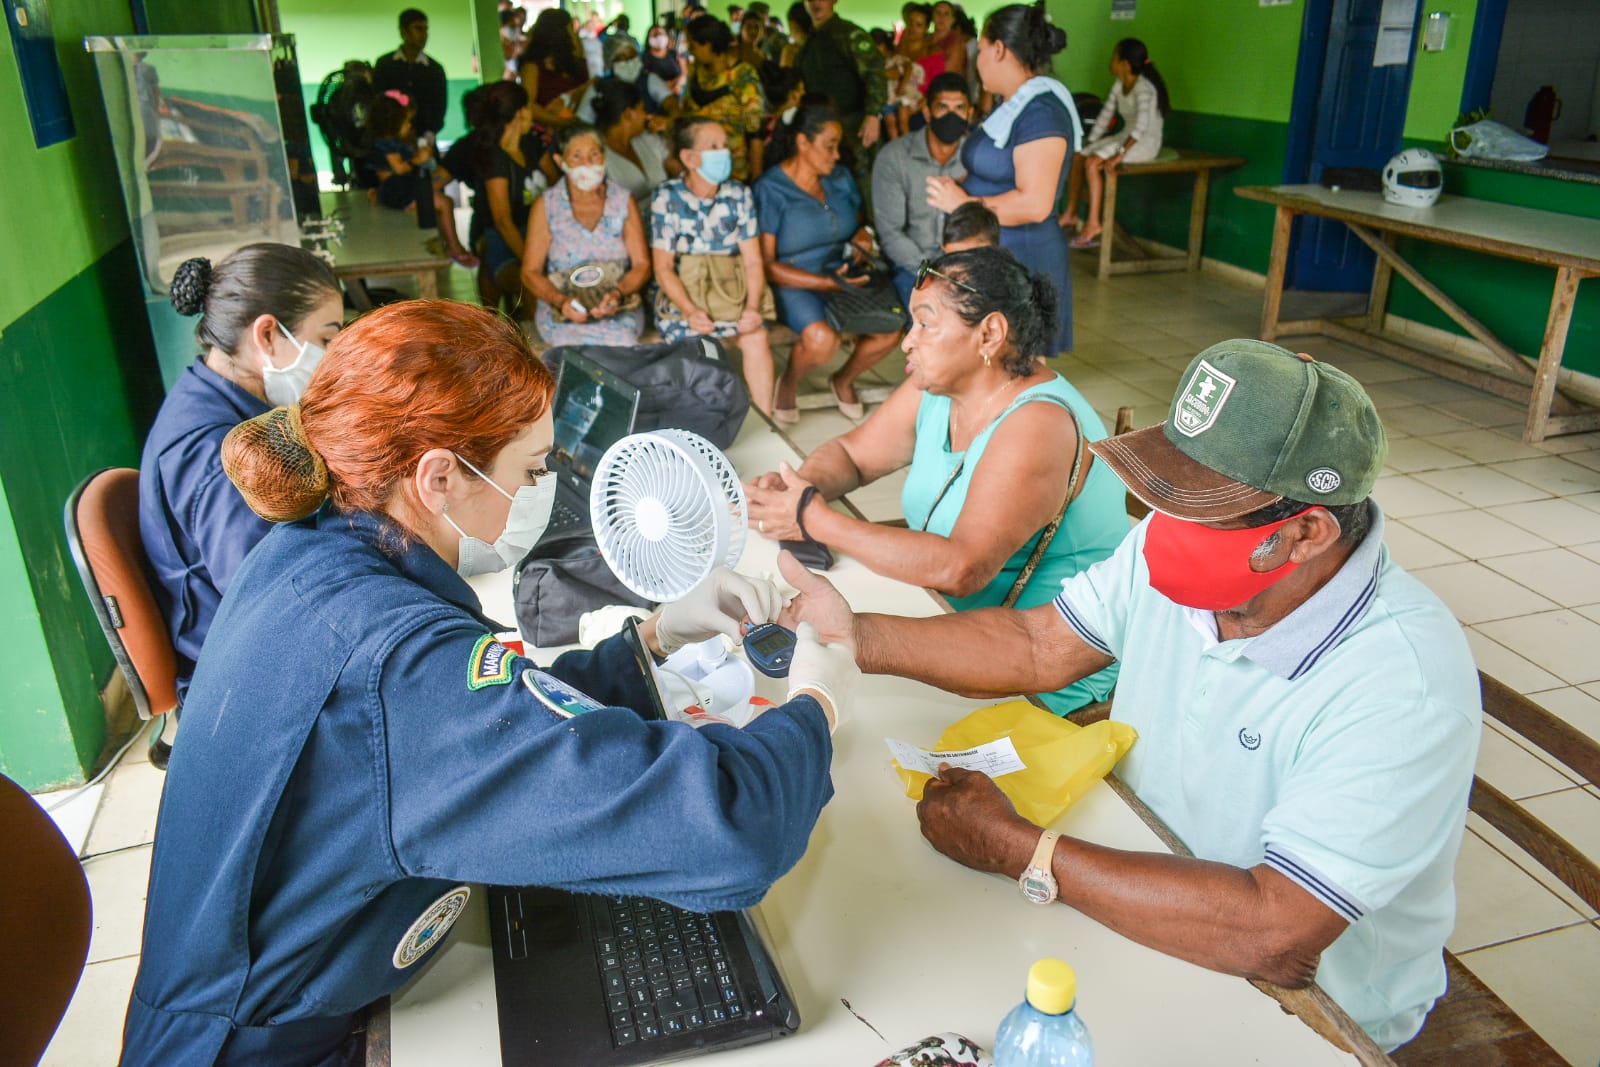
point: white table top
(916, 943)
(1524, 233)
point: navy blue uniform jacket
(196, 527)
(356, 746)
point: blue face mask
(716, 165)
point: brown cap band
(1157, 473)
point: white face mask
(628, 69)
(287, 385)
(587, 178)
(525, 524)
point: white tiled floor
(1508, 534)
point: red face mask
(1200, 567)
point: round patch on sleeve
(431, 926)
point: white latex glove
(717, 605)
(825, 671)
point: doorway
(1346, 113)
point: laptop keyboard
(663, 969)
(563, 516)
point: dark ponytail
(1132, 51)
(810, 118)
(992, 280)
(260, 279)
(1027, 33)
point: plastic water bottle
(1044, 1031)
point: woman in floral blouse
(703, 237)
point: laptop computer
(614, 981)
(594, 409)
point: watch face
(1037, 885)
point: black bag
(559, 581)
(689, 385)
(866, 309)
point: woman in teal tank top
(993, 440)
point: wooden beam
(1108, 228)
(1276, 269)
(1382, 276)
(1197, 216)
(1428, 361)
(1480, 332)
(1550, 351)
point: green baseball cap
(1252, 424)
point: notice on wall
(1124, 9)
(1394, 33)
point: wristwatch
(1038, 883)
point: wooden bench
(1200, 165)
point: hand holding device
(717, 606)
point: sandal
(787, 416)
(1082, 243)
(854, 411)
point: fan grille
(667, 509)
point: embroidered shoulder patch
(490, 664)
(430, 926)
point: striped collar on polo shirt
(1294, 644)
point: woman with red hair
(358, 749)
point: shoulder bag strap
(1080, 470)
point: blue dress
(322, 824)
(1094, 526)
(1041, 246)
(811, 234)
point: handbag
(717, 285)
(865, 309)
(557, 582)
(588, 283)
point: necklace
(957, 424)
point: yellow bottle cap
(1052, 986)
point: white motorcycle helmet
(1413, 178)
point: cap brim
(1157, 473)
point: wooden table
(1199, 164)
(871, 915)
(1567, 243)
(380, 242)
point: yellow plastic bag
(1062, 759)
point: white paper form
(993, 758)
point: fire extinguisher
(1543, 109)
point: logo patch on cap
(1323, 480)
(431, 926)
(1201, 400)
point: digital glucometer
(770, 648)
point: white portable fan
(667, 509)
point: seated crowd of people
(317, 493)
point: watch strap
(1044, 854)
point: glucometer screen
(772, 641)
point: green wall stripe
(83, 387)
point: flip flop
(855, 412)
(1083, 243)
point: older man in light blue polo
(1308, 713)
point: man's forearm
(990, 651)
(1212, 914)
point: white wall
(1550, 42)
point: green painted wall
(1230, 68)
(78, 383)
(328, 34)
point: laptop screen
(594, 409)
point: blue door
(1346, 113)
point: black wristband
(806, 497)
